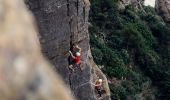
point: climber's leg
(71, 64)
(81, 66)
(103, 92)
(71, 67)
(99, 92)
(100, 98)
(78, 66)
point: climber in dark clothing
(75, 57)
(98, 85)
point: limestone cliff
(62, 23)
(24, 74)
(163, 9)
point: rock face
(136, 3)
(163, 9)
(127, 2)
(24, 74)
(62, 23)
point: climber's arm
(93, 84)
(72, 55)
(96, 84)
(78, 48)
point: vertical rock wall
(62, 23)
(163, 9)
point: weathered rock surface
(135, 3)
(128, 2)
(24, 74)
(163, 9)
(62, 23)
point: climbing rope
(83, 84)
(59, 6)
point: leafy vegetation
(133, 47)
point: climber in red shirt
(76, 57)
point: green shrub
(97, 55)
(130, 87)
(150, 10)
(124, 55)
(95, 42)
(118, 92)
(116, 40)
(135, 39)
(135, 77)
(132, 37)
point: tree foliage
(131, 44)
